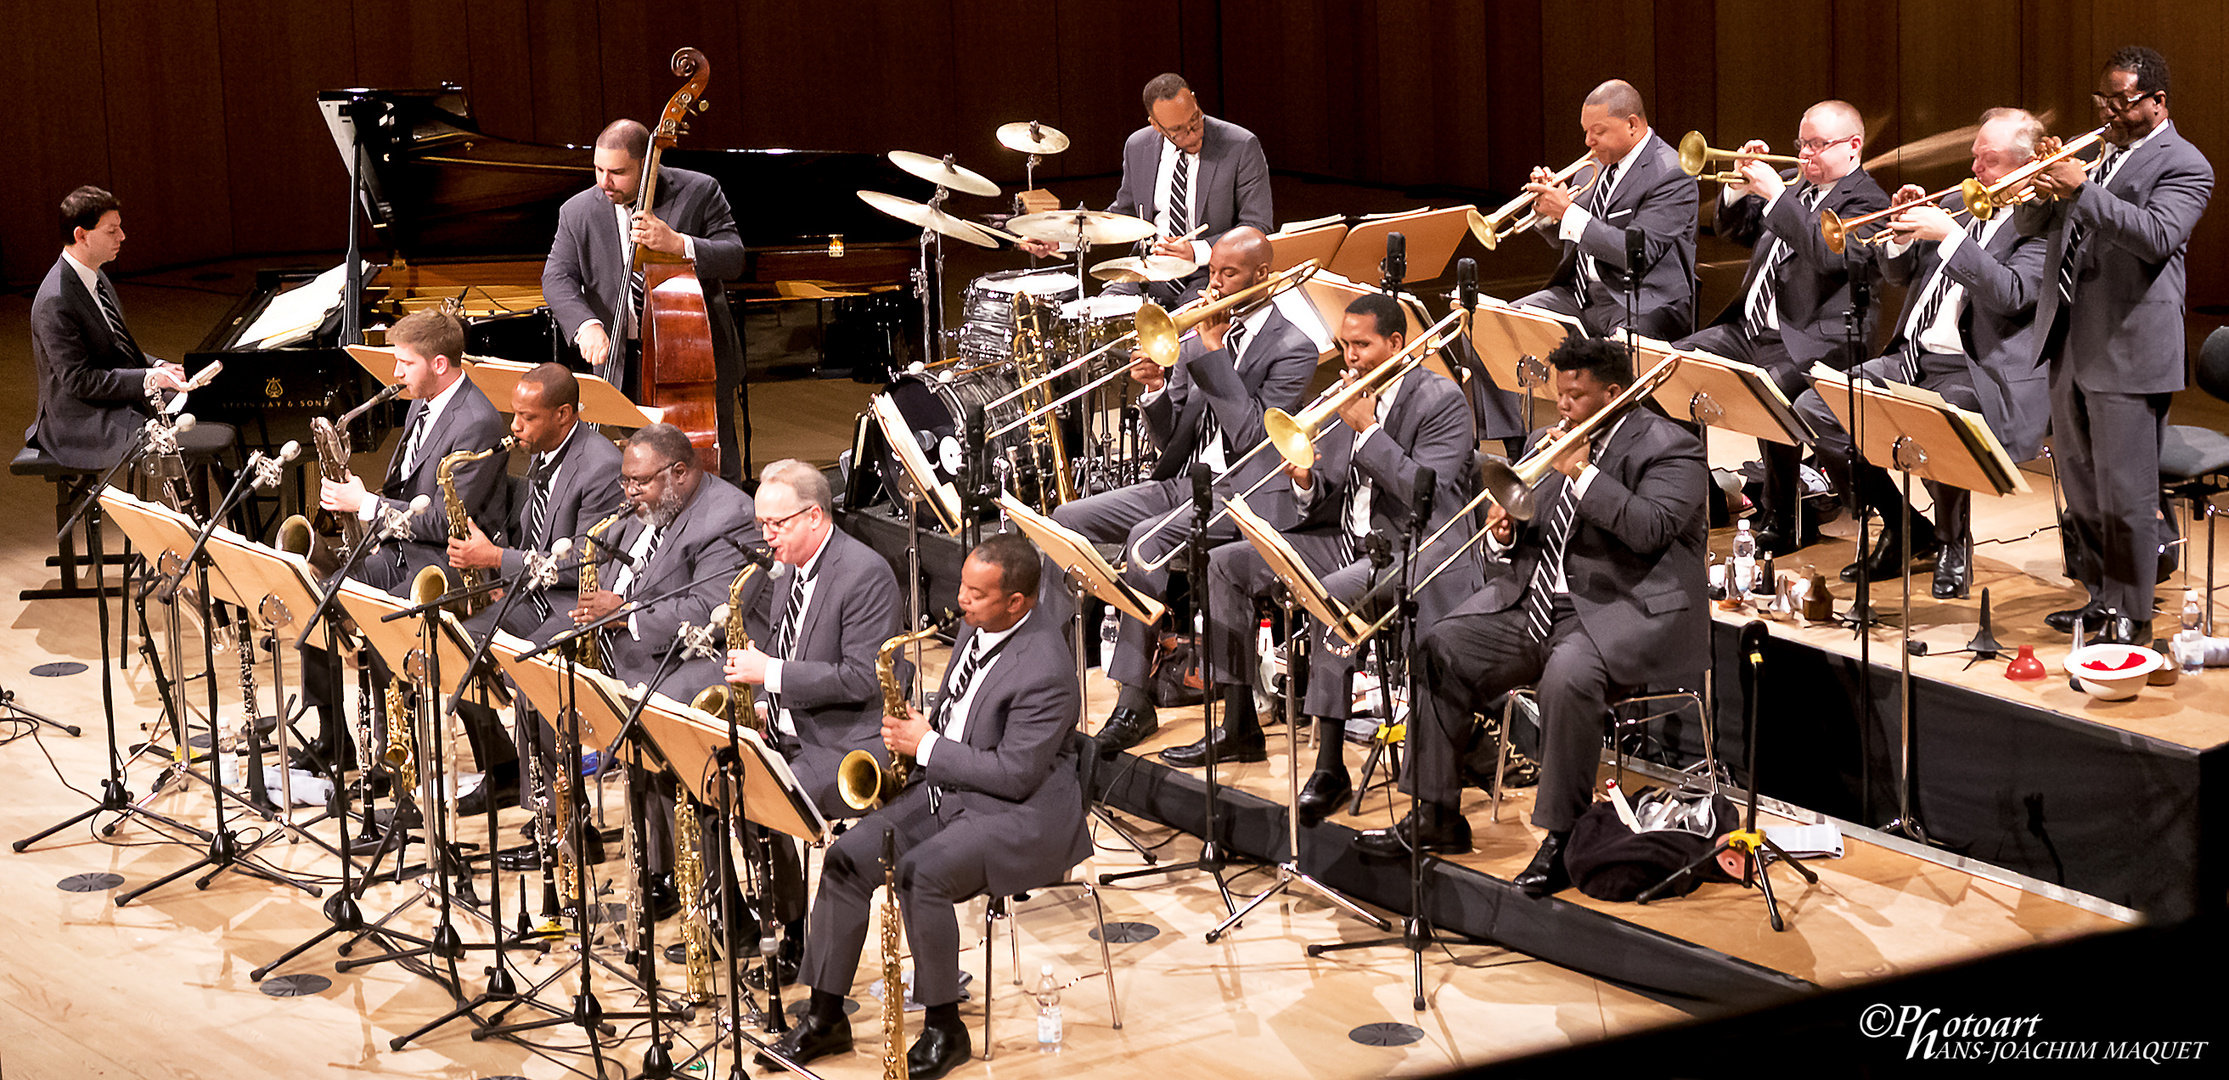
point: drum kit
(1016, 325)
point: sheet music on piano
(292, 316)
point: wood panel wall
(200, 112)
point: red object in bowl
(2128, 661)
(2025, 667)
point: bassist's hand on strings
(649, 232)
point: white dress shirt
(955, 713)
(811, 570)
(1575, 220)
(1164, 176)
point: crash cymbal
(1031, 137)
(1150, 268)
(942, 173)
(1099, 227)
(922, 214)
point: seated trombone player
(1967, 332)
(992, 807)
(1204, 411)
(1362, 482)
(1602, 591)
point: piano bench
(70, 485)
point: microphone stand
(1211, 858)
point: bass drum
(935, 408)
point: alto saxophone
(862, 780)
(893, 990)
(584, 649)
(723, 699)
(460, 520)
(696, 913)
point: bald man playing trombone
(1204, 412)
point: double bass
(679, 374)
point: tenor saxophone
(460, 520)
(584, 649)
(862, 780)
(893, 990)
(330, 437)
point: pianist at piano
(587, 284)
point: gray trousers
(2106, 449)
(1128, 515)
(1946, 374)
(940, 864)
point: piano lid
(437, 187)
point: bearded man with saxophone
(994, 808)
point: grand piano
(459, 213)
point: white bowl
(2118, 683)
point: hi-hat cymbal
(922, 214)
(942, 173)
(1031, 137)
(1150, 268)
(1097, 226)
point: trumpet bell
(1694, 153)
(1483, 229)
(864, 782)
(1158, 334)
(1979, 202)
(1836, 234)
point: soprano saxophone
(585, 648)
(460, 520)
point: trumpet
(1159, 335)
(1511, 486)
(2015, 187)
(1837, 231)
(1294, 437)
(1696, 155)
(1492, 229)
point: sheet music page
(294, 315)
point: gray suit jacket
(697, 550)
(469, 422)
(1233, 186)
(1280, 362)
(586, 278)
(2124, 332)
(828, 682)
(1012, 774)
(585, 492)
(1634, 561)
(1659, 199)
(1814, 288)
(2003, 340)
(92, 386)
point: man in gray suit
(599, 306)
(1205, 412)
(1641, 187)
(94, 382)
(1967, 332)
(2112, 310)
(833, 605)
(994, 810)
(1602, 591)
(571, 483)
(1185, 170)
(1363, 482)
(1792, 310)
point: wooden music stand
(1431, 236)
(1300, 242)
(600, 401)
(771, 796)
(394, 641)
(1513, 344)
(1287, 565)
(1716, 392)
(159, 530)
(1330, 294)
(600, 699)
(1071, 552)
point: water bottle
(1744, 568)
(1047, 993)
(2190, 644)
(1109, 628)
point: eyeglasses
(778, 524)
(1819, 146)
(1199, 120)
(629, 485)
(2118, 103)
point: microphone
(696, 640)
(289, 452)
(1395, 268)
(607, 553)
(1466, 282)
(184, 423)
(1636, 249)
(1203, 488)
(759, 557)
(203, 377)
(542, 569)
(1752, 642)
(397, 526)
(1420, 498)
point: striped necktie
(793, 618)
(1768, 285)
(537, 518)
(626, 579)
(1598, 200)
(1540, 597)
(1180, 196)
(1209, 429)
(2071, 257)
(111, 310)
(1930, 309)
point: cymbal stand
(928, 282)
(1212, 857)
(1289, 872)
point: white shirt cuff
(1895, 249)
(1152, 395)
(366, 510)
(631, 631)
(1200, 250)
(773, 676)
(1574, 224)
(1950, 245)
(928, 745)
(688, 247)
(1586, 479)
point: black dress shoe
(1954, 571)
(808, 1039)
(1442, 832)
(665, 900)
(1782, 539)
(785, 969)
(1545, 875)
(1324, 793)
(2063, 621)
(939, 1050)
(1125, 728)
(2122, 630)
(1241, 747)
(1886, 563)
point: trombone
(1697, 155)
(1294, 437)
(1159, 334)
(1492, 229)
